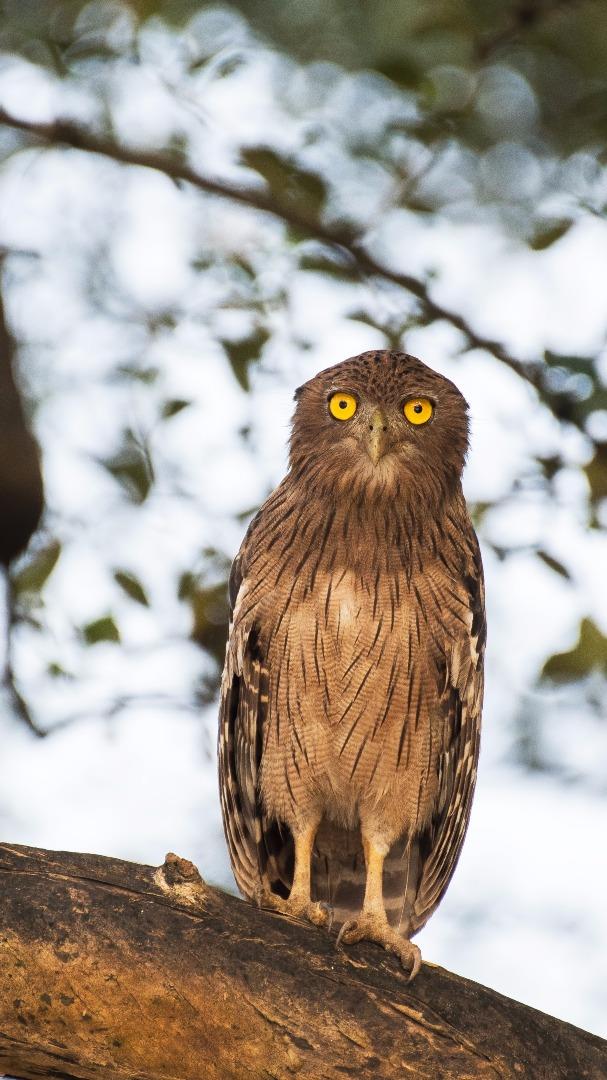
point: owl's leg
(300, 903)
(372, 923)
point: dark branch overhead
(115, 970)
(349, 246)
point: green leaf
(242, 353)
(478, 511)
(310, 191)
(288, 182)
(131, 586)
(173, 407)
(146, 375)
(242, 515)
(401, 69)
(550, 465)
(275, 169)
(210, 614)
(186, 586)
(548, 233)
(131, 467)
(57, 671)
(589, 654)
(554, 564)
(39, 567)
(104, 629)
(321, 263)
(596, 471)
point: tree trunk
(114, 970)
(21, 495)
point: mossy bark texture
(115, 970)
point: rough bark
(112, 969)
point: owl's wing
(255, 845)
(460, 703)
(240, 726)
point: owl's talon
(265, 899)
(371, 927)
(318, 913)
(417, 961)
(343, 938)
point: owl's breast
(350, 700)
(338, 644)
(341, 610)
(333, 625)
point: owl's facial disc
(381, 424)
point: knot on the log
(177, 870)
(181, 879)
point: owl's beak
(376, 441)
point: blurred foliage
(206, 595)
(242, 354)
(588, 655)
(472, 111)
(131, 466)
(288, 181)
(131, 586)
(31, 576)
(209, 607)
(103, 629)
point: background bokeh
(201, 205)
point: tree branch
(117, 971)
(69, 134)
(21, 497)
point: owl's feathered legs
(372, 923)
(300, 903)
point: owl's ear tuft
(298, 393)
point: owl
(352, 689)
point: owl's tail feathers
(339, 877)
(402, 873)
(338, 871)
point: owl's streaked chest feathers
(345, 605)
(348, 641)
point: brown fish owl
(352, 688)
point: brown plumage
(352, 688)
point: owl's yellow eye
(418, 410)
(342, 406)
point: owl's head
(379, 421)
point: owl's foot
(297, 907)
(369, 926)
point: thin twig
(113, 708)
(69, 134)
(17, 702)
